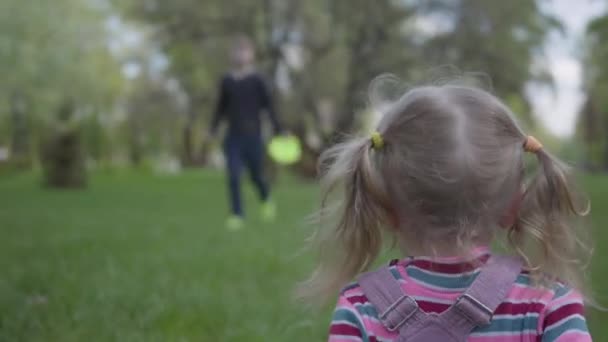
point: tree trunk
(63, 157)
(20, 145)
(347, 117)
(307, 166)
(135, 155)
(605, 147)
(589, 134)
(188, 157)
(134, 147)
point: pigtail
(549, 205)
(350, 244)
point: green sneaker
(269, 211)
(235, 223)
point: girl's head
(443, 173)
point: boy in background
(243, 98)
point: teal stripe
(367, 309)
(441, 281)
(500, 325)
(560, 291)
(524, 279)
(573, 324)
(351, 317)
(396, 273)
(454, 283)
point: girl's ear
(510, 216)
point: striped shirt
(528, 313)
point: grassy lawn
(138, 257)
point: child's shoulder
(353, 293)
(526, 287)
(524, 290)
(565, 299)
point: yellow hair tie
(532, 145)
(377, 140)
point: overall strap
(477, 304)
(395, 309)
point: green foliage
(52, 48)
(503, 39)
(57, 49)
(593, 122)
(344, 45)
(154, 120)
(51, 51)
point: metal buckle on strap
(474, 310)
(394, 317)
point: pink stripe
(344, 304)
(571, 296)
(507, 308)
(357, 299)
(432, 307)
(503, 338)
(415, 289)
(344, 330)
(522, 292)
(563, 312)
(337, 338)
(376, 328)
(521, 300)
(355, 291)
(449, 268)
(574, 336)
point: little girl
(443, 177)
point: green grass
(138, 257)
(146, 258)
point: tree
(154, 117)
(503, 39)
(62, 155)
(322, 54)
(189, 33)
(51, 50)
(593, 121)
(342, 48)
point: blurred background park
(112, 199)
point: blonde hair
(450, 165)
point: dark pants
(244, 151)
